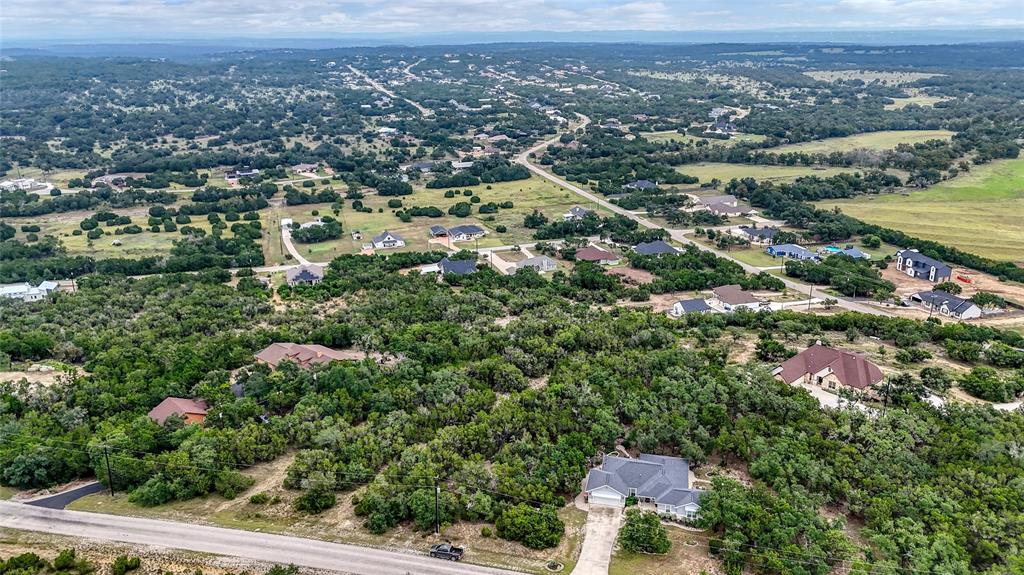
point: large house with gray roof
(658, 479)
(948, 304)
(917, 265)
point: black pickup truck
(446, 551)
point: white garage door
(605, 499)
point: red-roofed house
(597, 255)
(829, 368)
(304, 355)
(191, 410)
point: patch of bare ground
(906, 285)
(101, 554)
(43, 378)
(539, 382)
(632, 276)
(504, 321)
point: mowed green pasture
(674, 136)
(885, 140)
(708, 171)
(526, 195)
(981, 212)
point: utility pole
(110, 477)
(810, 296)
(437, 515)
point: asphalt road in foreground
(231, 542)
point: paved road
(63, 499)
(677, 235)
(599, 539)
(286, 238)
(380, 87)
(231, 542)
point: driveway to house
(286, 237)
(598, 540)
(65, 498)
(232, 542)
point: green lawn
(981, 212)
(689, 554)
(885, 140)
(526, 195)
(920, 100)
(674, 136)
(707, 171)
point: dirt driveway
(599, 540)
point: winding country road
(424, 111)
(231, 542)
(678, 235)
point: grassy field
(674, 136)
(709, 170)
(59, 178)
(140, 245)
(980, 212)
(920, 100)
(868, 76)
(525, 195)
(885, 140)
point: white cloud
(158, 19)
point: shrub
(259, 498)
(230, 483)
(94, 234)
(394, 203)
(485, 531)
(534, 528)
(643, 532)
(500, 229)
(124, 564)
(153, 492)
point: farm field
(884, 140)
(674, 136)
(868, 76)
(980, 212)
(707, 171)
(526, 195)
(921, 100)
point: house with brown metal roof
(597, 255)
(303, 355)
(830, 368)
(732, 297)
(193, 411)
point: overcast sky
(58, 20)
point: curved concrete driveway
(598, 540)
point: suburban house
(655, 248)
(191, 410)
(438, 232)
(28, 292)
(387, 239)
(918, 265)
(791, 251)
(118, 180)
(597, 255)
(829, 368)
(540, 263)
(25, 184)
(641, 185)
(424, 167)
(243, 173)
(755, 235)
(948, 304)
(658, 479)
(727, 210)
(302, 355)
(687, 306)
(465, 233)
(453, 267)
(308, 274)
(576, 213)
(305, 168)
(732, 298)
(462, 165)
(726, 200)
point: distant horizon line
(954, 35)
